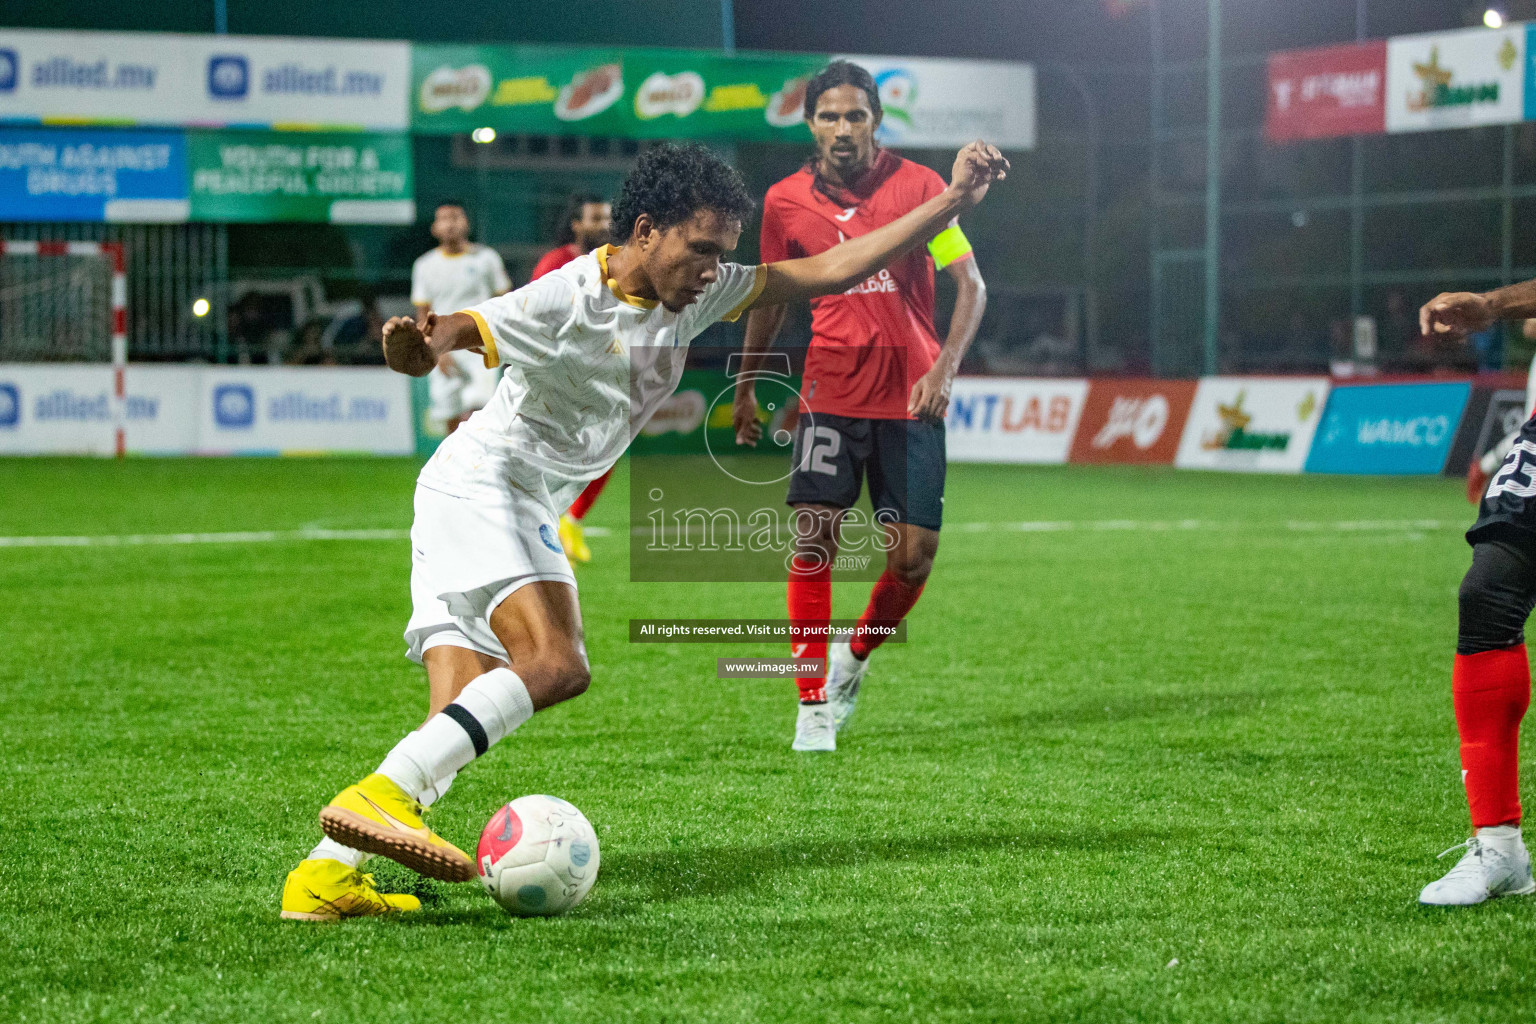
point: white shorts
(451, 397)
(467, 556)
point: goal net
(60, 301)
(66, 302)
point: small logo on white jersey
(595, 317)
(547, 535)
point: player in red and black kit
(586, 225)
(876, 385)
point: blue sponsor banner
(52, 174)
(1388, 429)
(1530, 73)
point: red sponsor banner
(1327, 92)
(1133, 420)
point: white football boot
(814, 730)
(1495, 864)
(844, 673)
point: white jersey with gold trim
(586, 367)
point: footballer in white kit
(585, 368)
(456, 275)
(589, 352)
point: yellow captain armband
(948, 246)
(487, 341)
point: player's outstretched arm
(763, 324)
(1459, 314)
(414, 349)
(841, 267)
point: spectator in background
(355, 336)
(452, 277)
(586, 224)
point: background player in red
(1491, 676)
(586, 224)
(876, 385)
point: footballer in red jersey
(587, 224)
(876, 385)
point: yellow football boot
(376, 816)
(328, 890)
(574, 540)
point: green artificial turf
(1186, 755)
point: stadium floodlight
(200, 307)
(1493, 18)
(483, 135)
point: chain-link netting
(55, 308)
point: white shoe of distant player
(844, 673)
(814, 730)
(1496, 865)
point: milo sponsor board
(701, 94)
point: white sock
(489, 707)
(1499, 835)
(435, 792)
(330, 849)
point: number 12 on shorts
(820, 446)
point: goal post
(67, 302)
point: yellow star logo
(1432, 74)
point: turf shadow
(664, 876)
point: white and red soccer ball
(537, 856)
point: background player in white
(456, 275)
(591, 350)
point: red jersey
(870, 344)
(555, 259)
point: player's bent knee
(553, 679)
(913, 573)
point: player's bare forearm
(763, 325)
(1513, 302)
(414, 349)
(843, 266)
(1458, 314)
(970, 304)
(929, 399)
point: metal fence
(169, 267)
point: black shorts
(904, 460)
(1508, 510)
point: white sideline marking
(124, 540)
(242, 537)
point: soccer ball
(537, 856)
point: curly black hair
(672, 183)
(841, 72)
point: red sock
(889, 603)
(810, 604)
(584, 500)
(1491, 691)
